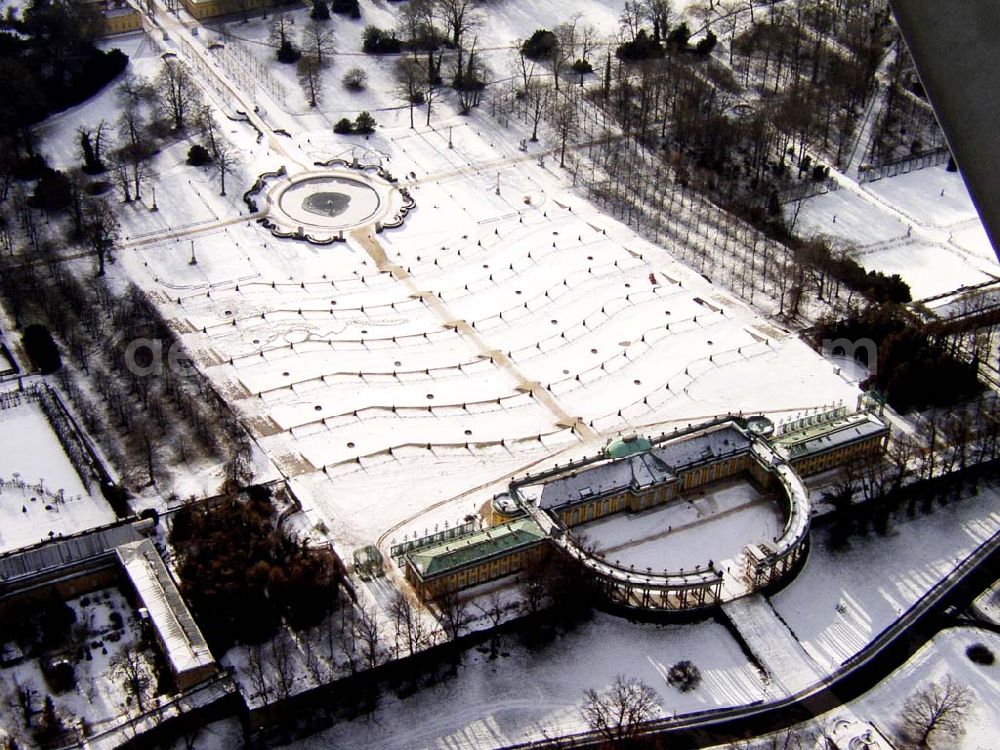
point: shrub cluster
(241, 573)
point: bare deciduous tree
(408, 622)
(936, 709)
(460, 17)
(281, 663)
(208, 128)
(536, 96)
(454, 614)
(177, 93)
(257, 671)
(308, 70)
(279, 30)
(226, 159)
(411, 78)
(100, 229)
(493, 610)
(618, 712)
(564, 115)
(416, 25)
(317, 41)
(367, 632)
(130, 668)
(523, 65)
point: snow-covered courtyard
(715, 524)
(41, 494)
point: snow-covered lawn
(842, 600)
(527, 693)
(714, 525)
(929, 269)
(335, 363)
(943, 656)
(922, 225)
(30, 453)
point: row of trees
(657, 128)
(146, 407)
(949, 452)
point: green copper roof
(627, 445)
(482, 545)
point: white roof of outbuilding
(185, 646)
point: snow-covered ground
(30, 454)
(841, 600)
(987, 605)
(712, 525)
(364, 394)
(527, 694)
(789, 667)
(99, 695)
(922, 225)
(943, 656)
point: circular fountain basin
(332, 202)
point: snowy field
(714, 525)
(841, 600)
(528, 694)
(30, 454)
(922, 225)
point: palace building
(831, 442)
(634, 473)
(210, 8)
(475, 558)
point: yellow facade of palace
(476, 558)
(635, 500)
(211, 8)
(827, 446)
(119, 17)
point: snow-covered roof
(185, 646)
(707, 445)
(66, 551)
(606, 478)
(826, 437)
